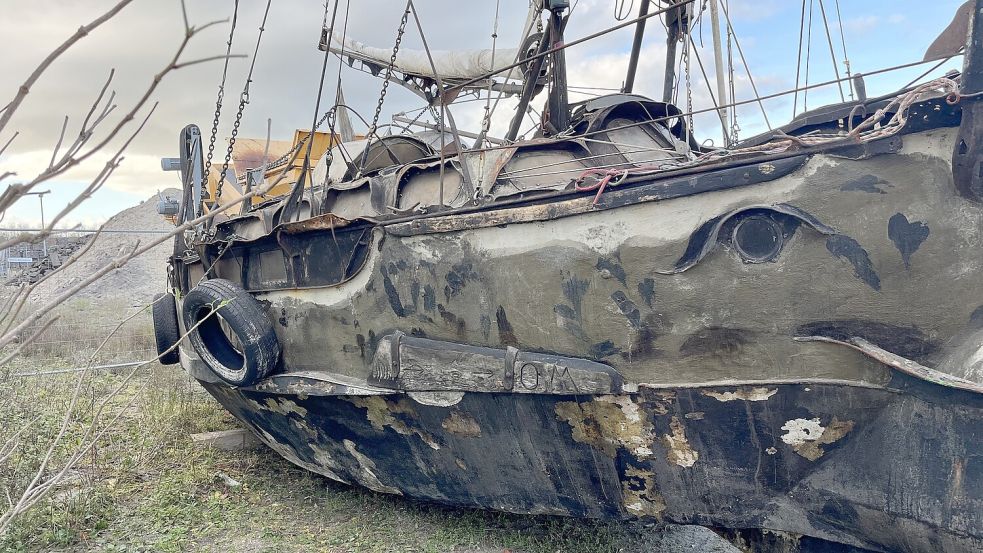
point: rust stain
(326, 221)
(678, 450)
(640, 493)
(394, 414)
(608, 423)
(462, 424)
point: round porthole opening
(758, 238)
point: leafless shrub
(21, 326)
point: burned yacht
(609, 319)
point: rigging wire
(832, 52)
(730, 105)
(243, 100)
(942, 62)
(533, 21)
(486, 120)
(734, 128)
(805, 99)
(846, 57)
(747, 69)
(292, 205)
(706, 78)
(337, 108)
(798, 59)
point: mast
(559, 105)
(636, 47)
(967, 159)
(557, 115)
(718, 62)
(677, 23)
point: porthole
(758, 238)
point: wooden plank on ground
(238, 439)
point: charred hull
(893, 468)
(787, 341)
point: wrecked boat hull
(887, 468)
(644, 352)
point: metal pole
(718, 61)
(44, 241)
(636, 47)
(40, 195)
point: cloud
(862, 23)
(141, 40)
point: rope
(865, 132)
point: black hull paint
(898, 468)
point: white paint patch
(800, 431)
(437, 399)
(753, 394)
(678, 449)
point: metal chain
(282, 160)
(218, 101)
(243, 100)
(689, 82)
(389, 72)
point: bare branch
(184, 64)
(4, 149)
(81, 33)
(70, 160)
(61, 137)
(98, 100)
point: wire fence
(86, 335)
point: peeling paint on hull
(639, 455)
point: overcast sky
(137, 43)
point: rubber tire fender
(258, 350)
(167, 333)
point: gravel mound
(138, 280)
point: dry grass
(146, 487)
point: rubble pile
(59, 251)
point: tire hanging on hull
(234, 335)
